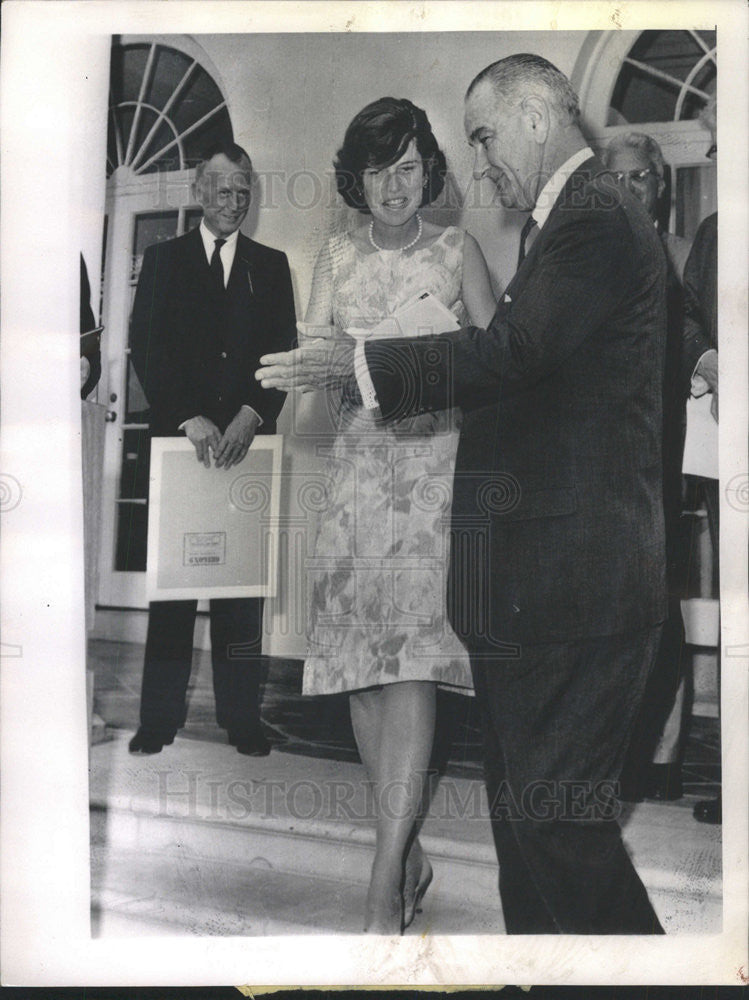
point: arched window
(164, 108)
(666, 76)
(656, 82)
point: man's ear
(661, 186)
(537, 117)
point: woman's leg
(394, 727)
(366, 712)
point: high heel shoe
(411, 908)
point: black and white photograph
(379, 562)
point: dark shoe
(252, 745)
(663, 783)
(709, 811)
(145, 742)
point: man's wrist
(255, 414)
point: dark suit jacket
(195, 349)
(701, 296)
(557, 505)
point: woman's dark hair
(377, 137)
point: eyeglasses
(638, 176)
(712, 153)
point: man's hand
(205, 435)
(237, 438)
(705, 379)
(707, 367)
(319, 364)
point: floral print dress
(378, 577)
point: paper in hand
(701, 442)
(422, 316)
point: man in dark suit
(208, 304)
(558, 494)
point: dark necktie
(530, 222)
(217, 268)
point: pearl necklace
(408, 246)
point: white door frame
(128, 195)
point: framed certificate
(213, 532)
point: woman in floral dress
(378, 626)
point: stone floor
(189, 842)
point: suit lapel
(570, 194)
(244, 269)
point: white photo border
(47, 83)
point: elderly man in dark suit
(208, 304)
(558, 493)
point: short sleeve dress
(377, 579)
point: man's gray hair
(641, 143)
(516, 77)
(234, 153)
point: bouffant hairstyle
(377, 137)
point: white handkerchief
(506, 298)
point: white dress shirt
(544, 203)
(227, 251)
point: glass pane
(198, 97)
(192, 218)
(151, 227)
(128, 65)
(138, 410)
(216, 129)
(132, 532)
(640, 96)
(159, 140)
(135, 459)
(170, 67)
(695, 198)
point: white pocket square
(506, 298)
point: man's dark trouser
(557, 722)
(237, 664)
